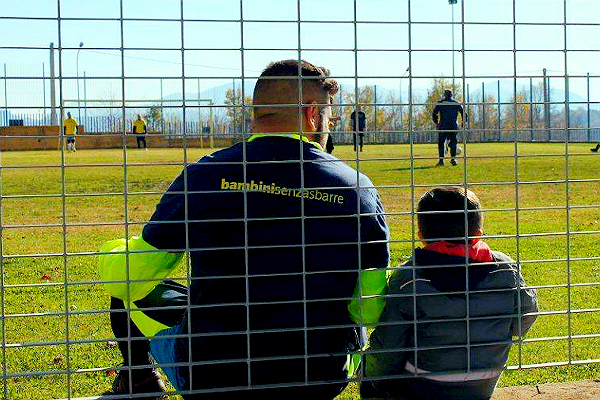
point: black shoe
(440, 163)
(595, 149)
(150, 383)
(453, 162)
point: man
(70, 130)
(360, 117)
(139, 129)
(444, 117)
(285, 242)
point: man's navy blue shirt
(448, 110)
(277, 231)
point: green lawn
(529, 221)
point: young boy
(451, 310)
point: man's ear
(310, 115)
(252, 126)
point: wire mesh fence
(268, 247)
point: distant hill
(419, 94)
(507, 90)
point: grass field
(542, 208)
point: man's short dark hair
(447, 93)
(292, 71)
(441, 214)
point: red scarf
(478, 249)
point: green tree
(153, 116)
(239, 116)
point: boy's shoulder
(443, 272)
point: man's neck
(320, 138)
(308, 138)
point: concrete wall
(47, 138)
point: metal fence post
(499, 114)
(531, 108)
(483, 124)
(589, 133)
(375, 112)
(5, 98)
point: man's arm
(368, 300)
(134, 267)
(434, 115)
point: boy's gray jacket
(449, 327)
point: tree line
(522, 111)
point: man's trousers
(442, 136)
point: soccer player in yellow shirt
(70, 130)
(139, 128)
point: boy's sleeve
(387, 344)
(529, 305)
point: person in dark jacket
(445, 115)
(360, 117)
(288, 250)
(451, 310)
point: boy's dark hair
(441, 214)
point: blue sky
(213, 36)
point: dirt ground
(582, 390)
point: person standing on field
(359, 118)
(288, 250)
(445, 115)
(139, 129)
(70, 130)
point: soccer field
(541, 206)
